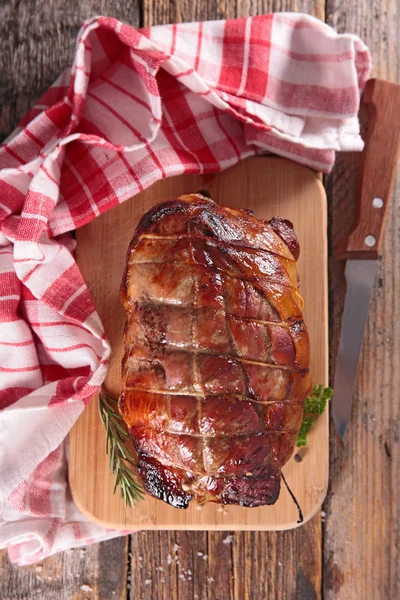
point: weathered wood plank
(36, 43)
(169, 565)
(283, 565)
(227, 565)
(362, 531)
(159, 12)
(98, 571)
(238, 566)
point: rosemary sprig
(121, 459)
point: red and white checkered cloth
(135, 106)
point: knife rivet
(370, 241)
(377, 202)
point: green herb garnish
(121, 459)
(314, 405)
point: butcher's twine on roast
(216, 364)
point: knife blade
(362, 245)
(360, 277)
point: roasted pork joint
(216, 364)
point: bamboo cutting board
(269, 186)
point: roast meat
(216, 364)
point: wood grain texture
(98, 571)
(362, 526)
(37, 41)
(161, 12)
(226, 565)
(269, 186)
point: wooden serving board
(269, 186)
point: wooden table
(350, 550)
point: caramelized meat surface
(216, 364)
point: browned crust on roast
(216, 361)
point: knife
(360, 248)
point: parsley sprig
(314, 405)
(121, 459)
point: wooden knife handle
(377, 170)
